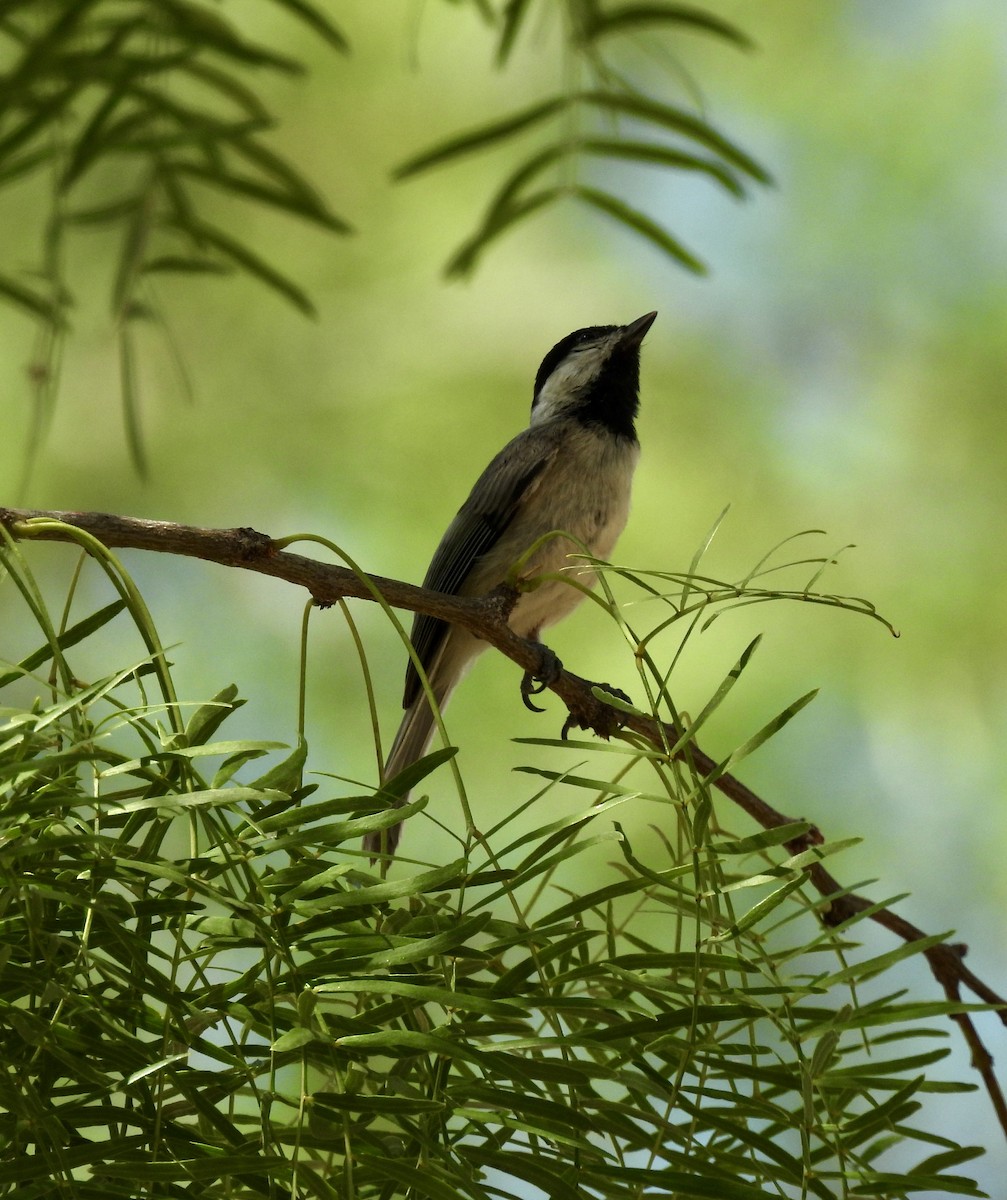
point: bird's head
(593, 375)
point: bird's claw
(533, 683)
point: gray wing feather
(481, 521)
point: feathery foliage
(207, 991)
(137, 118)
(129, 114)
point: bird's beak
(634, 333)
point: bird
(570, 470)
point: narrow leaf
(758, 911)
(315, 19)
(69, 637)
(247, 259)
(680, 121)
(31, 302)
(464, 260)
(296, 203)
(631, 18)
(478, 139)
(641, 224)
(768, 730)
(513, 15)
(131, 400)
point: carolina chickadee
(570, 470)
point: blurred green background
(842, 368)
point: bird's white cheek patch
(564, 385)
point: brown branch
(486, 617)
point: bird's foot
(533, 683)
(603, 719)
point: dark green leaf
(177, 264)
(679, 121)
(131, 399)
(485, 135)
(15, 168)
(31, 302)
(641, 224)
(663, 156)
(69, 637)
(208, 235)
(313, 16)
(498, 221)
(513, 17)
(296, 203)
(207, 29)
(631, 18)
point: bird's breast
(586, 493)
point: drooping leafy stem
(135, 120)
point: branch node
(252, 544)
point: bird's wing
(480, 522)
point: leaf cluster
(207, 991)
(136, 118)
(130, 115)
(602, 115)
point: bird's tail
(410, 743)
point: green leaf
(464, 260)
(294, 1039)
(410, 777)
(513, 16)
(679, 121)
(408, 1041)
(936, 1163)
(208, 718)
(881, 963)
(655, 154)
(776, 836)
(632, 18)
(207, 235)
(415, 1180)
(421, 994)
(15, 168)
(45, 114)
(641, 224)
(128, 381)
(314, 17)
(478, 139)
(286, 775)
(421, 949)
(768, 730)
(391, 889)
(341, 1102)
(69, 637)
(178, 264)
(296, 203)
(208, 30)
(760, 911)
(32, 302)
